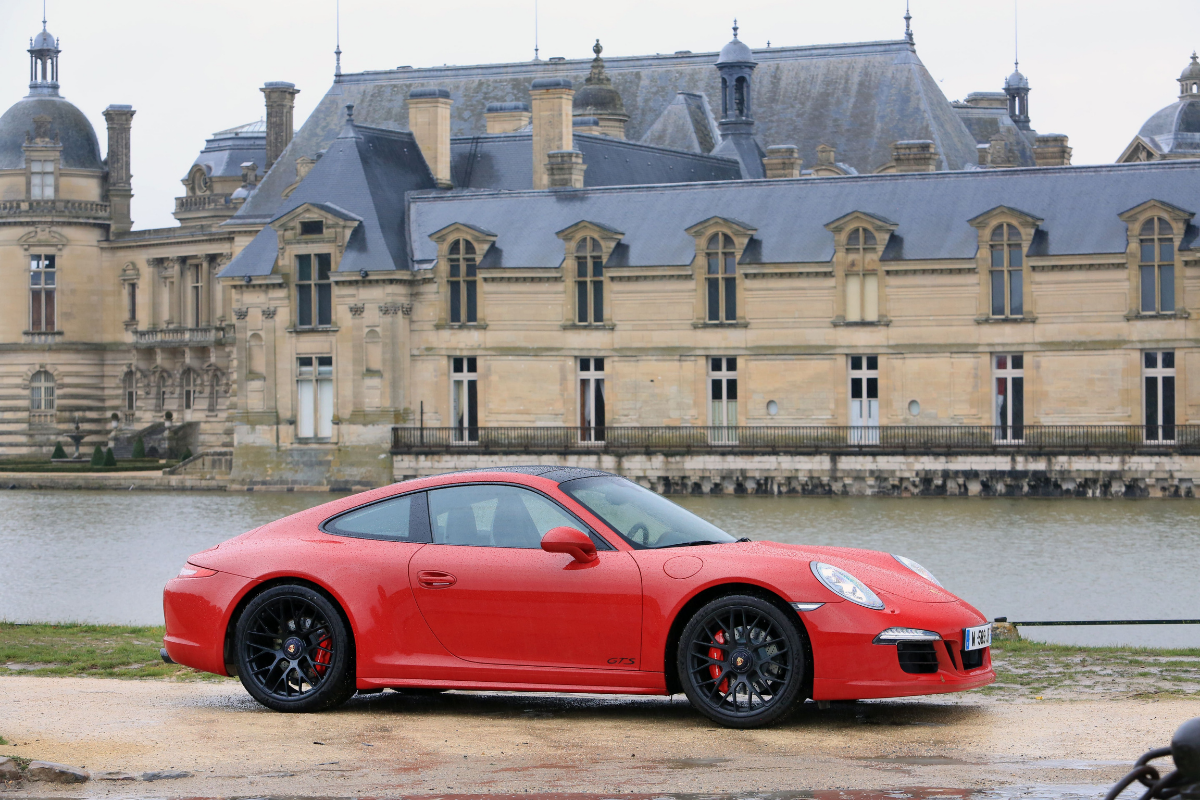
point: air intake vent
(917, 658)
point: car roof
(548, 471)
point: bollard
(1183, 782)
(1003, 629)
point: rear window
(400, 519)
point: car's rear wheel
(294, 651)
(742, 661)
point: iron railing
(948, 439)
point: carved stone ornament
(357, 309)
(43, 236)
(241, 313)
(406, 309)
(269, 312)
(389, 309)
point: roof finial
(597, 49)
(735, 29)
(43, 14)
(535, 30)
(349, 113)
(337, 53)
(908, 34)
(1016, 40)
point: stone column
(153, 281)
(120, 178)
(270, 398)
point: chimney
(1051, 150)
(999, 155)
(826, 156)
(552, 124)
(120, 179)
(507, 117)
(983, 154)
(564, 169)
(782, 161)
(915, 156)
(281, 97)
(429, 121)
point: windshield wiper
(688, 544)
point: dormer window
(862, 276)
(721, 280)
(462, 271)
(589, 282)
(1007, 271)
(1156, 265)
(41, 179)
(312, 227)
(314, 294)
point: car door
(492, 595)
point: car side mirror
(572, 541)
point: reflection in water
(104, 556)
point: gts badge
(623, 662)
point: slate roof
(859, 98)
(1175, 129)
(80, 149)
(1079, 205)
(505, 161)
(686, 124)
(984, 123)
(365, 174)
(224, 153)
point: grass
(102, 651)
(1033, 669)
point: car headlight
(917, 568)
(898, 635)
(844, 584)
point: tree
(139, 448)
(187, 453)
(110, 459)
(59, 452)
(98, 456)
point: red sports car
(558, 579)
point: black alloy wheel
(294, 652)
(742, 661)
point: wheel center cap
(740, 660)
(293, 647)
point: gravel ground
(391, 744)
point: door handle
(435, 579)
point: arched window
(740, 96)
(1157, 266)
(589, 282)
(160, 392)
(724, 98)
(256, 355)
(461, 258)
(862, 276)
(129, 385)
(41, 391)
(214, 388)
(1007, 271)
(191, 387)
(374, 351)
(721, 278)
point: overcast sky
(1097, 69)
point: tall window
(862, 277)
(160, 392)
(1009, 370)
(41, 180)
(191, 385)
(314, 295)
(589, 282)
(314, 395)
(131, 301)
(723, 399)
(462, 281)
(42, 287)
(196, 292)
(464, 415)
(591, 399)
(214, 383)
(864, 399)
(41, 391)
(1008, 262)
(1157, 266)
(129, 385)
(1158, 372)
(721, 280)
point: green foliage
(139, 448)
(98, 456)
(3, 741)
(58, 451)
(110, 459)
(111, 651)
(186, 454)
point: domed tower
(597, 107)
(1174, 131)
(1189, 80)
(1016, 86)
(736, 65)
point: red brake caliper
(716, 654)
(321, 659)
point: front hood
(880, 571)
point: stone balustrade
(55, 208)
(181, 337)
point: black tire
(742, 661)
(294, 652)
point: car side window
(494, 515)
(400, 519)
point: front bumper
(848, 666)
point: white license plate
(977, 638)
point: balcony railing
(778, 439)
(179, 337)
(55, 208)
(203, 202)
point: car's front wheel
(293, 650)
(742, 661)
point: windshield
(642, 517)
